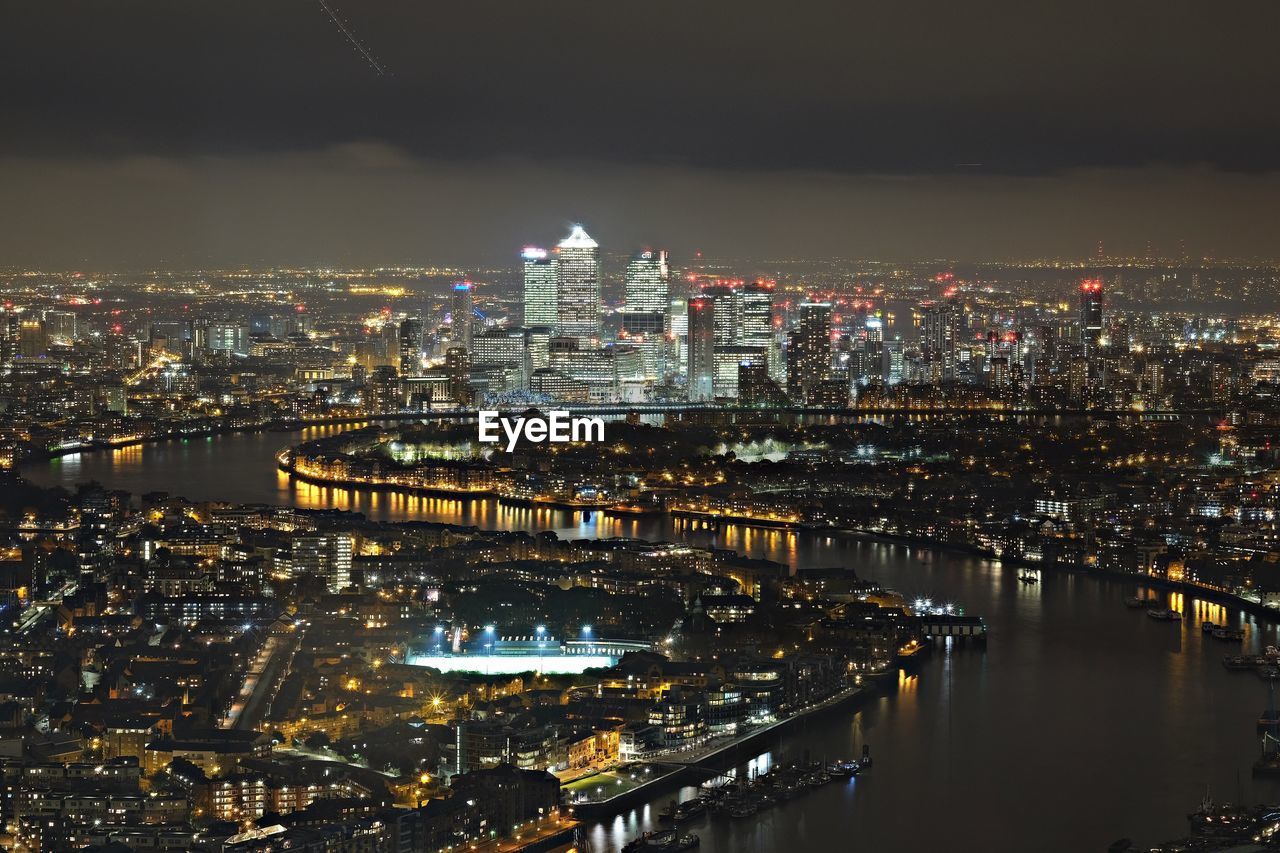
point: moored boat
(690, 809)
(664, 841)
(1161, 614)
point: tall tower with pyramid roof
(578, 288)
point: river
(1081, 722)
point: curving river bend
(1083, 721)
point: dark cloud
(371, 204)
(841, 85)
(136, 130)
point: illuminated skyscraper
(410, 347)
(728, 329)
(648, 300)
(539, 287)
(648, 282)
(809, 349)
(702, 345)
(1091, 314)
(755, 314)
(457, 366)
(578, 286)
(462, 314)
(941, 334)
(644, 316)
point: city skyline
(565, 426)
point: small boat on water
(1229, 634)
(1217, 819)
(664, 841)
(690, 809)
(1138, 602)
(843, 769)
(1160, 614)
(1238, 663)
(1268, 673)
(1208, 627)
(742, 808)
(1028, 578)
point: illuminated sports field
(555, 663)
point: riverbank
(715, 759)
(1218, 596)
(96, 446)
(437, 491)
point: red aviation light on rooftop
(1091, 285)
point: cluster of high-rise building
(705, 338)
(670, 339)
(575, 325)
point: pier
(946, 625)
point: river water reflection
(1082, 721)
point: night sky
(171, 132)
